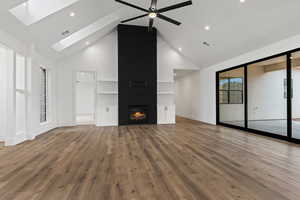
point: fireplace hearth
(138, 114)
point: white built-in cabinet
(107, 103)
(108, 115)
(166, 102)
(166, 114)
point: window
(231, 90)
(43, 95)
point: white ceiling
(236, 28)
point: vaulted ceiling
(235, 27)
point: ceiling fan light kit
(153, 12)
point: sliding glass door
(295, 94)
(267, 96)
(231, 97)
(262, 96)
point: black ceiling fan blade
(134, 18)
(180, 5)
(131, 5)
(168, 19)
(153, 4)
(151, 21)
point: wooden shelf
(171, 82)
(108, 93)
(107, 81)
(165, 93)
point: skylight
(33, 11)
(86, 32)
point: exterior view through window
(231, 97)
(231, 90)
(43, 96)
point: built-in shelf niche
(107, 87)
(165, 88)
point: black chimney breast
(137, 72)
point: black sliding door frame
(289, 95)
(289, 136)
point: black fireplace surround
(137, 75)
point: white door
(85, 97)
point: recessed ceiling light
(207, 28)
(242, 1)
(87, 43)
(180, 49)
(72, 14)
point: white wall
(3, 95)
(102, 57)
(203, 105)
(34, 126)
(7, 121)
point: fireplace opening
(138, 114)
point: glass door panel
(267, 99)
(295, 60)
(231, 97)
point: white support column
(11, 99)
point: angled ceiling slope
(111, 20)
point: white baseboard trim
(45, 128)
(17, 139)
(108, 124)
(66, 124)
(85, 123)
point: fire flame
(138, 115)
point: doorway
(85, 97)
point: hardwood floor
(191, 160)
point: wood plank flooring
(190, 160)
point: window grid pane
(223, 97)
(224, 83)
(236, 97)
(236, 84)
(43, 96)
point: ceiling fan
(153, 12)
